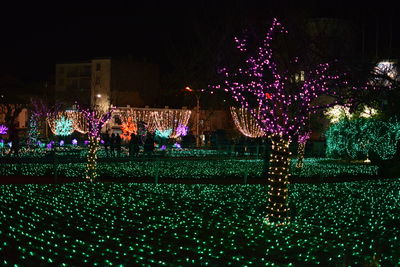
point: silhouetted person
(112, 144)
(241, 146)
(134, 145)
(14, 138)
(149, 144)
(118, 144)
(106, 139)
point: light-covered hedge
(363, 138)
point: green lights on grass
(186, 168)
(146, 224)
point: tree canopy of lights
(362, 138)
(3, 129)
(171, 119)
(77, 118)
(63, 127)
(337, 113)
(340, 112)
(280, 105)
(128, 128)
(245, 123)
(95, 119)
(161, 119)
(41, 112)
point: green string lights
(64, 126)
(99, 224)
(187, 168)
(33, 130)
(362, 138)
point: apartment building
(106, 81)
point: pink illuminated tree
(40, 110)
(281, 100)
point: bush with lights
(363, 138)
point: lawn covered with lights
(110, 223)
(189, 168)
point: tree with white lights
(281, 105)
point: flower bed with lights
(98, 224)
(189, 168)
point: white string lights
(79, 123)
(156, 119)
(246, 123)
(278, 178)
(171, 119)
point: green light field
(185, 168)
(109, 224)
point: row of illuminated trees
(64, 123)
(271, 102)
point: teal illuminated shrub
(363, 138)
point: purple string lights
(280, 104)
(3, 129)
(280, 112)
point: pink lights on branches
(95, 119)
(279, 104)
(276, 110)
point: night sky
(37, 35)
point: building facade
(106, 82)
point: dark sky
(36, 34)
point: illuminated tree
(281, 105)
(302, 141)
(95, 118)
(63, 126)
(40, 112)
(246, 123)
(3, 129)
(182, 130)
(128, 128)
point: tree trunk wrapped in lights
(33, 131)
(278, 179)
(281, 106)
(95, 119)
(91, 166)
(302, 141)
(300, 155)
